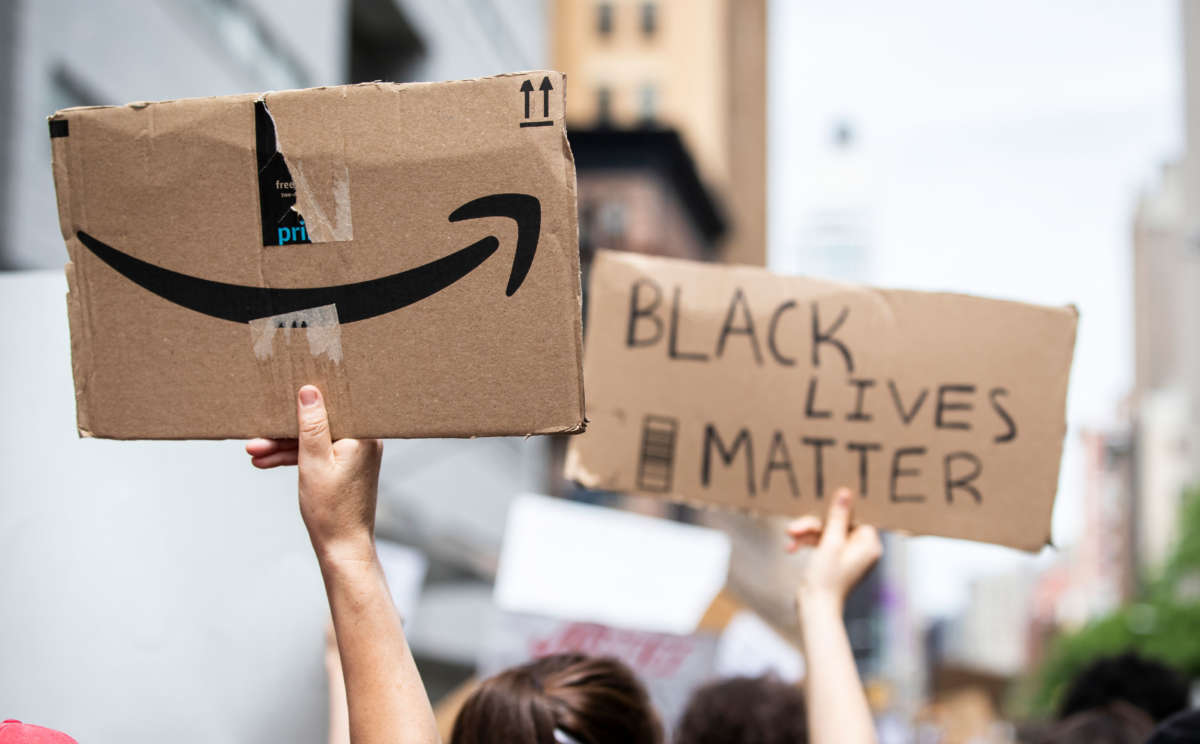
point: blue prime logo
(293, 234)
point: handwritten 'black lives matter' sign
(733, 386)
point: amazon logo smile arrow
(357, 301)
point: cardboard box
(735, 387)
(411, 249)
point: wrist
(811, 600)
(353, 548)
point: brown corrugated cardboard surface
(378, 171)
(723, 385)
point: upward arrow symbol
(527, 88)
(545, 88)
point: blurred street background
(1043, 152)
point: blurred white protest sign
(579, 562)
(405, 569)
(749, 647)
(575, 578)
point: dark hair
(591, 700)
(1180, 728)
(1149, 685)
(763, 710)
(1115, 723)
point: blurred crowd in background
(1047, 154)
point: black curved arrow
(357, 301)
(523, 208)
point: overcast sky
(1007, 143)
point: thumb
(315, 442)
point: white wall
(149, 591)
(473, 38)
(166, 591)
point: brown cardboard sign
(733, 386)
(411, 249)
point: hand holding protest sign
(735, 387)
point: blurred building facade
(835, 232)
(1102, 567)
(1136, 471)
(696, 66)
(1165, 401)
(639, 190)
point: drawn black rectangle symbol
(537, 124)
(656, 460)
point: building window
(611, 225)
(648, 103)
(587, 231)
(649, 18)
(602, 224)
(604, 18)
(603, 105)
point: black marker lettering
(863, 448)
(638, 311)
(826, 337)
(943, 406)
(673, 346)
(711, 437)
(1011, 434)
(963, 481)
(909, 416)
(774, 348)
(857, 414)
(783, 463)
(899, 472)
(809, 410)
(817, 445)
(739, 299)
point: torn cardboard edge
(573, 219)
(261, 95)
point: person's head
(764, 710)
(1115, 723)
(1149, 685)
(561, 699)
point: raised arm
(837, 706)
(339, 482)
